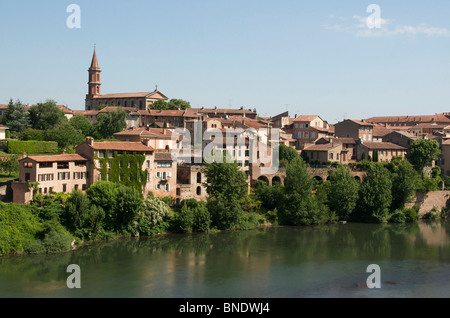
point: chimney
(146, 141)
(64, 151)
(24, 155)
(90, 141)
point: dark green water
(319, 261)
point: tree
(178, 104)
(17, 117)
(342, 192)
(286, 153)
(46, 115)
(82, 124)
(375, 156)
(128, 202)
(103, 194)
(76, 210)
(375, 195)
(110, 122)
(159, 104)
(65, 135)
(403, 184)
(299, 206)
(10, 164)
(227, 190)
(153, 217)
(422, 152)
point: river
(278, 262)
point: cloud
(359, 26)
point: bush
(433, 214)
(411, 215)
(18, 226)
(153, 217)
(32, 146)
(397, 217)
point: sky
(336, 59)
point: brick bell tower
(94, 83)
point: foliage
(404, 179)
(153, 218)
(129, 202)
(422, 152)
(110, 122)
(16, 117)
(375, 195)
(9, 164)
(426, 184)
(397, 217)
(172, 104)
(411, 215)
(299, 206)
(52, 239)
(125, 169)
(65, 135)
(82, 124)
(287, 154)
(46, 115)
(18, 226)
(342, 192)
(19, 147)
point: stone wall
(430, 200)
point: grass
(4, 176)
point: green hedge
(32, 146)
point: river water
(279, 262)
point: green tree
(422, 152)
(17, 117)
(287, 154)
(159, 104)
(76, 210)
(46, 115)
(10, 164)
(299, 206)
(65, 135)
(153, 217)
(227, 190)
(342, 192)
(404, 179)
(128, 202)
(375, 156)
(375, 195)
(103, 194)
(178, 104)
(82, 124)
(110, 122)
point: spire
(94, 64)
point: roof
(146, 132)
(130, 95)
(322, 147)
(56, 158)
(94, 63)
(382, 145)
(121, 146)
(305, 118)
(361, 122)
(381, 131)
(166, 112)
(163, 156)
(410, 119)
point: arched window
(199, 177)
(199, 190)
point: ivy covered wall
(123, 168)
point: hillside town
(153, 135)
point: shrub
(433, 214)
(153, 217)
(397, 217)
(411, 215)
(32, 146)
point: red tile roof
(56, 158)
(382, 145)
(121, 146)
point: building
(160, 138)
(56, 173)
(355, 129)
(3, 130)
(94, 99)
(326, 152)
(386, 150)
(308, 128)
(394, 122)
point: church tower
(94, 83)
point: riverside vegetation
(109, 210)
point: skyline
(303, 57)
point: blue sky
(308, 57)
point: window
(63, 165)
(64, 188)
(45, 164)
(101, 154)
(28, 165)
(331, 155)
(199, 190)
(164, 164)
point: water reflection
(317, 261)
